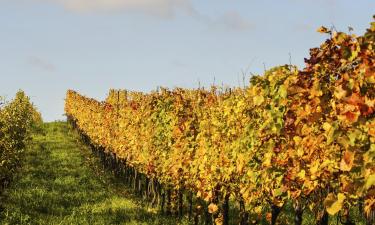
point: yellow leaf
(267, 159)
(258, 100)
(347, 160)
(212, 208)
(325, 163)
(314, 168)
(370, 181)
(240, 163)
(283, 91)
(258, 210)
(219, 220)
(339, 92)
(300, 152)
(369, 205)
(323, 30)
(297, 139)
(327, 126)
(334, 205)
(269, 217)
(208, 196)
(302, 174)
(343, 141)
(315, 91)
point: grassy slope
(62, 183)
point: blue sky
(49, 46)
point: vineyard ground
(62, 182)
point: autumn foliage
(301, 136)
(16, 121)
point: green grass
(62, 182)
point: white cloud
(232, 20)
(42, 64)
(161, 8)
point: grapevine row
(305, 137)
(16, 120)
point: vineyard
(17, 118)
(297, 139)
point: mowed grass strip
(61, 182)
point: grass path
(61, 182)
